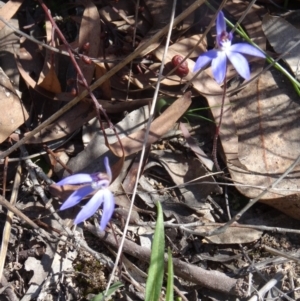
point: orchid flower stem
(215, 143)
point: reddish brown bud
(183, 69)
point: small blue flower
(99, 182)
(224, 49)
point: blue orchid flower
(224, 49)
(97, 181)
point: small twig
(9, 218)
(218, 127)
(186, 227)
(264, 278)
(57, 159)
(5, 167)
(279, 253)
(268, 286)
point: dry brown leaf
(11, 105)
(204, 159)
(51, 82)
(282, 35)
(268, 127)
(9, 10)
(48, 78)
(161, 125)
(89, 32)
(160, 11)
(105, 87)
(182, 170)
(77, 116)
(233, 235)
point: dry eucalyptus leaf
(10, 103)
(233, 235)
(160, 126)
(91, 158)
(183, 170)
(89, 34)
(9, 10)
(266, 116)
(282, 36)
(50, 82)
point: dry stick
(282, 294)
(102, 79)
(217, 133)
(17, 212)
(279, 253)
(252, 201)
(9, 218)
(267, 287)
(5, 167)
(63, 52)
(211, 279)
(235, 225)
(143, 151)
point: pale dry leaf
(48, 79)
(266, 116)
(233, 235)
(183, 170)
(91, 158)
(282, 36)
(89, 32)
(50, 82)
(9, 10)
(192, 143)
(161, 125)
(15, 113)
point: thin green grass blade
(170, 282)
(111, 290)
(156, 269)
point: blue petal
(219, 67)
(76, 197)
(247, 49)
(108, 208)
(220, 24)
(90, 208)
(240, 64)
(79, 178)
(204, 59)
(107, 167)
